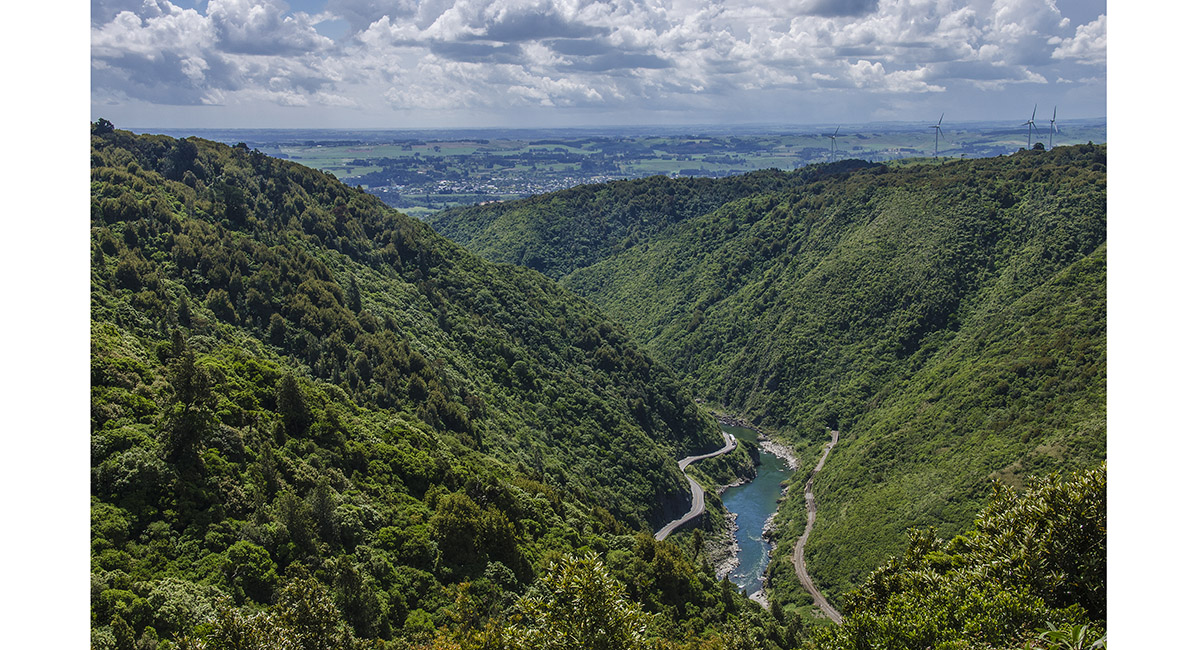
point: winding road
(798, 554)
(697, 491)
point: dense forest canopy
(948, 319)
(316, 423)
(306, 405)
(560, 232)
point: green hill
(314, 418)
(948, 319)
(559, 232)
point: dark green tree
(123, 633)
(183, 312)
(250, 571)
(181, 160)
(292, 407)
(191, 414)
(354, 296)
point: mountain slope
(300, 396)
(382, 307)
(873, 302)
(1033, 564)
(559, 232)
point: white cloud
(261, 27)
(1089, 45)
(1023, 29)
(873, 77)
(178, 30)
(239, 50)
(333, 99)
(501, 55)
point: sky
(547, 63)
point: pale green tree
(577, 605)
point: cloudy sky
(404, 63)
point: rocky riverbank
(723, 552)
(764, 441)
(741, 481)
(768, 531)
(735, 421)
(724, 557)
(779, 449)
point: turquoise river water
(753, 503)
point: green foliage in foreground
(1030, 573)
(1032, 560)
(578, 606)
(575, 605)
(317, 424)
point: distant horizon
(606, 127)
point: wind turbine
(833, 139)
(937, 131)
(1032, 127)
(1053, 128)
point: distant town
(420, 172)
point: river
(753, 503)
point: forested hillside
(948, 319)
(317, 423)
(559, 232)
(1030, 572)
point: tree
(129, 272)
(191, 416)
(180, 161)
(277, 329)
(307, 610)
(456, 527)
(250, 571)
(355, 594)
(184, 312)
(290, 405)
(123, 633)
(102, 127)
(577, 605)
(354, 296)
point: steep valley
(316, 422)
(948, 319)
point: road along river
(754, 504)
(798, 553)
(697, 491)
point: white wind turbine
(937, 131)
(1032, 127)
(1053, 128)
(833, 140)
